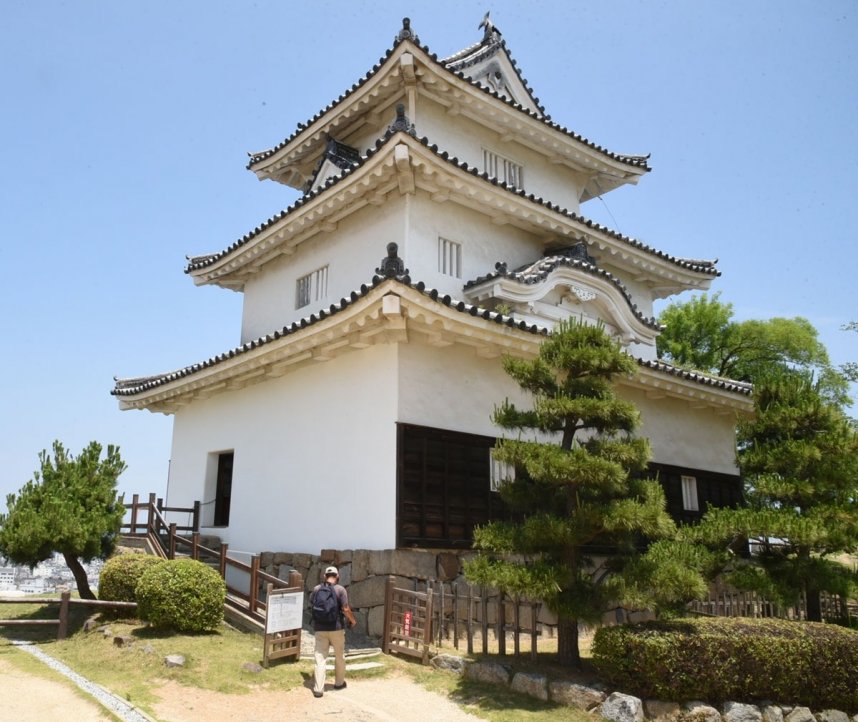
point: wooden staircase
(148, 529)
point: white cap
(332, 572)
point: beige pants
(325, 640)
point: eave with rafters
(397, 311)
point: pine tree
(70, 506)
(576, 491)
(799, 459)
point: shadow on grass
(39, 634)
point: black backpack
(326, 605)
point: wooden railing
(170, 539)
(64, 601)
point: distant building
(440, 228)
(7, 578)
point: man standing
(330, 605)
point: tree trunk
(567, 642)
(814, 605)
(79, 573)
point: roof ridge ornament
(392, 266)
(489, 28)
(401, 122)
(407, 33)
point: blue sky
(125, 127)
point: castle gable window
(449, 258)
(312, 287)
(504, 169)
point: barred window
(499, 472)
(312, 287)
(450, 258)
(689, 493)
(503, 169)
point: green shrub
(798, 663)
(181, 594)
(120, 574)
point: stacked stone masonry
(619, 707)
(364, 573)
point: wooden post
(388, 613)
(484, 618)
(160, 505)
(470, 619)
(534, 613)
(195, 545)
(135, 498)
(441, 618)
(63, 629)
(456, 615)
(171, 551)
(224, 548)
(516, 620)
(427, 638)
(501, 625)
(254, 582)
(196, 521)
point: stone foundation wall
(364, 574)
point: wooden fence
(484, 620)
(750, 604)
(169, 539)
(62, 622)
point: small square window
(312, 287)
(689, 493)
(449, 258)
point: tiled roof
(133, 386)
(739, 387)
(706, 267)
(631, 160)
(538, 272)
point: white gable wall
(483, 244)
(314, 456)
(352, 252)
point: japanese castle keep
(440, 228)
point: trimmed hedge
(797, 663)
(181, 594)
(120, 574)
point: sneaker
(317, 694)
(340, 686)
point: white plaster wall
(465, 139)
(683, 436)
(452, 388)
(314, 456)
(352, 252)
(483, 244)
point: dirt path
(29, 698)
(392, 699)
